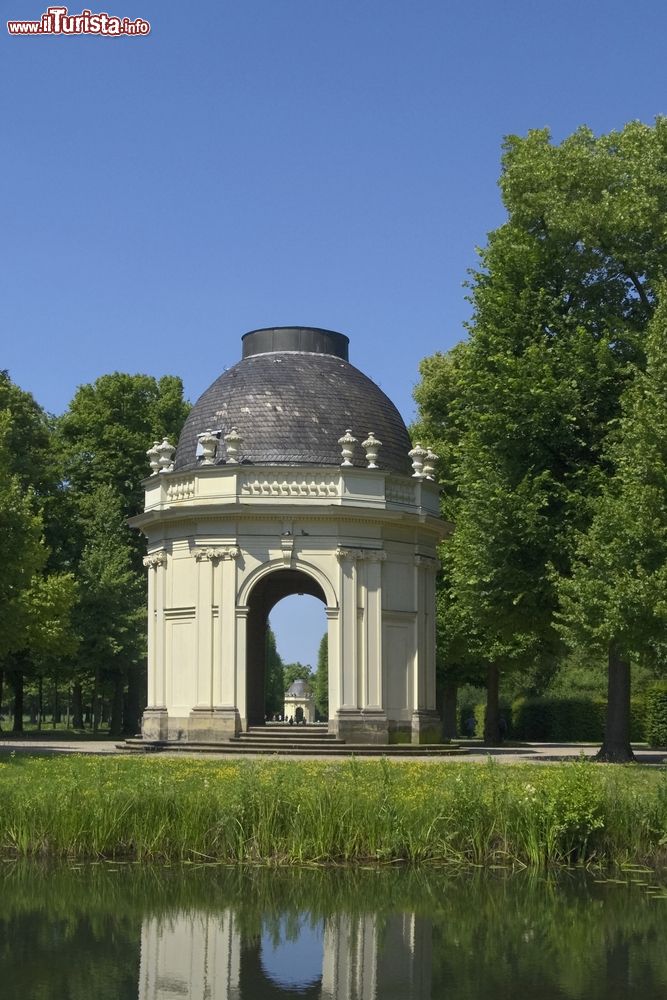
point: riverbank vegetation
(321, 812)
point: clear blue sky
(272, 162)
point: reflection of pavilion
(202, 956)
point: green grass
(322, 813)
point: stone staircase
(278, 738)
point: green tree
(102, 439)
(614, 602)
(274, 694)
(110, 615)
(295, 672)
(561, 303)
(35, 598)
(321, 679)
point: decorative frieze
(289, 487)
(427, 562)
(181, 489)
(358, 555)
(399, 491)
(215, 552)
(155, 559)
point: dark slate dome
(298, 689)
(293, 394)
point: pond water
(137, 932)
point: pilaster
(217, 717)
(154, 725)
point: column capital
(155, 559)
(215, 552)
(428, 562)
(358, 555)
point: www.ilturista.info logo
(58, 21)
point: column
(419, 677)
(215, 719)
(204, 630)
(348, 628)
(155, 720)
(374, 679)
(227, 719)
(426, 725)
(333, 663)
(360, 719)
(224, 682)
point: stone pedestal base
(155, 724)
(426, 727)
(213, 725)
(368, 726)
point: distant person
(290, 721)
(502, 728)
(470, 726)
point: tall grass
(277, 812)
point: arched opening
(298, 624)
(266, 593)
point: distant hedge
(568, 719)
(564, 720)
(656, 714)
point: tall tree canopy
(615, 601)
(36, 596)
(520, 413)
(103, 438)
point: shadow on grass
(57, 735)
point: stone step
(287, 733)
(338, 749)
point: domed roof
(290, 398)
(298, 689)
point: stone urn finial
(209, 443)
(418, 454)
(429, 464)
(347, 443)
(154, 458)
(166, 456)
(371, 446)
(233, 442)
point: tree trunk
(116, 720)
(492, 719)
(17, 684)
(616, 744)
(77, 707)
(135, 701)
(2, 677)
(95, 705)
(449, 695)
(40, 701)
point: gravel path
(527, 752)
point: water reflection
(132, 932)
(190, 956)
